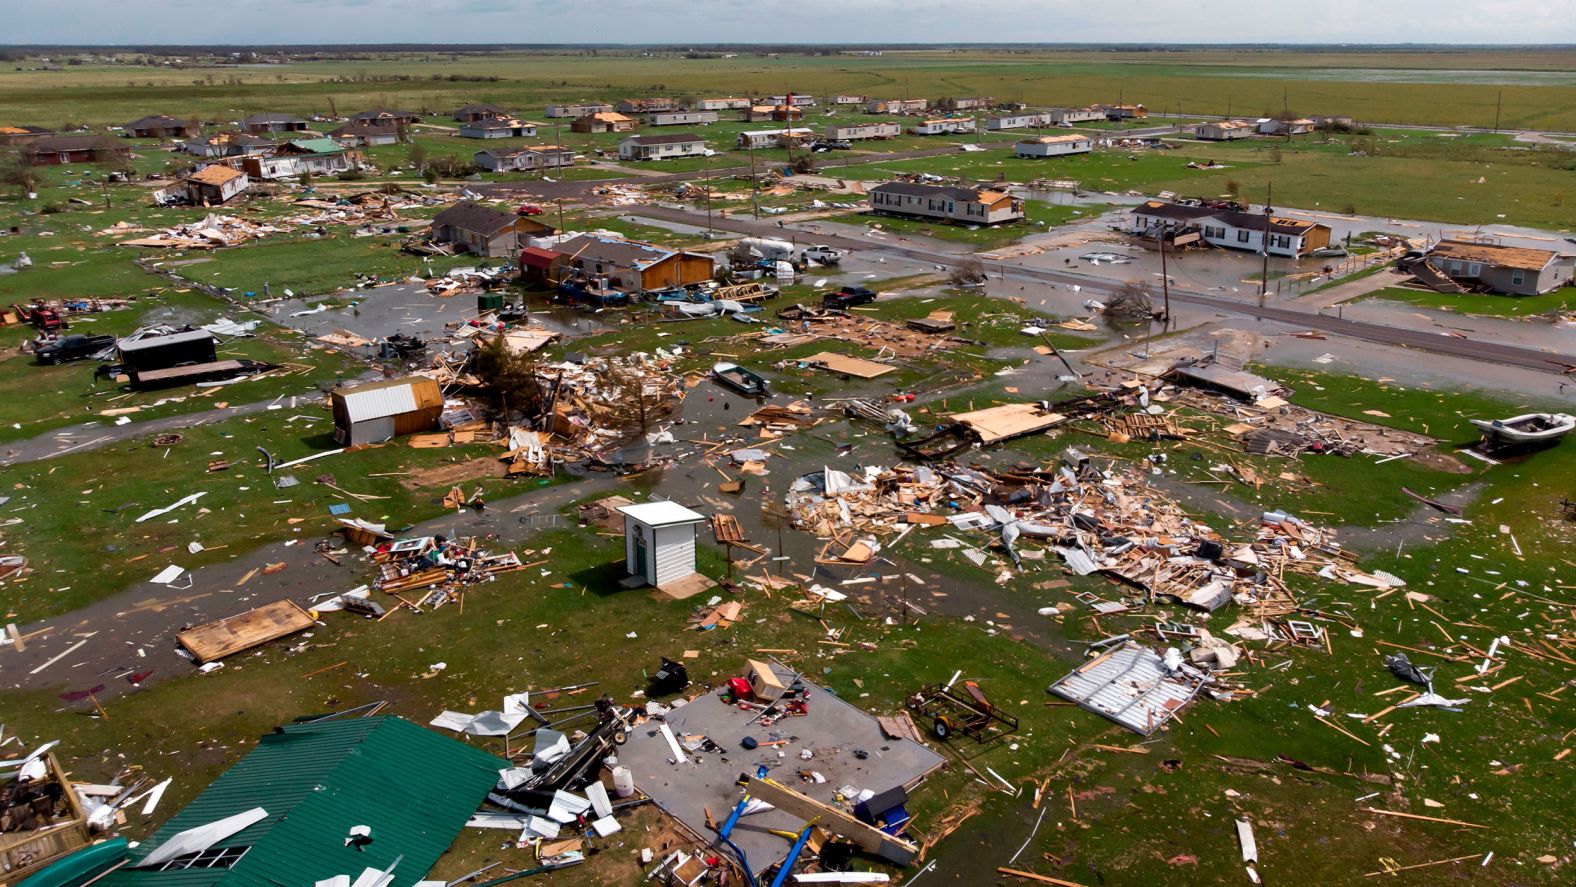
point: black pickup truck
(72, 348)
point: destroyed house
(51, 823)
(283, 814)
(299, 157)
(1224, 130)
(1122, 112)
(1496, 268)
(497, 128)
(379, 411)
(263, 124)
(159, 126)
(479, 111)
(961, 205)
(729, 103)
(1054, 146)
(151, 353)
(631, 266)
(361, 135)
(386, 117)
(644, 106)
(58, 150)
(228, 144)
(523, 159)
(1233, 229)
(774, 138)
(578, 110)
(661, 147)
(896, 106)
(1275, 127)
(214, 184)
(21, 135)
(482, 231)
(602, 121)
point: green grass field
(1444, 87)
(1560, 300)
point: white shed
(659, 541)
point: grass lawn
(1103, 170)
(1559, 300)
(1161, 817)
(311, 266)
(1038, 216)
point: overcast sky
(778, 21)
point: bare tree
(509, 378)
(15, 170)
(969, 271)
(1132, 301)
(633, 395)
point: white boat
(1527, 428)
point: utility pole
(707, 162)
(755, 183)
(1165, 274)
(1264, 281)
(1498, 98)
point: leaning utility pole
(1165, 275)
(1264, 281)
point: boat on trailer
(740, 379)
(1526, 429)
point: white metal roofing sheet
(375, 403)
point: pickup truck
(848, 297)
(72, 348)
(826, 255)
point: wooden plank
(1423, 818)
(868, 839)
(849, 366)
(1043, 879)
(225, 637)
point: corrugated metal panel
(1130, 686)
(376, 403)
(675, 553)
(413, 787)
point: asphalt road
(1472, 349)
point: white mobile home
(855, 132)
(580, 109)
(1225, 130)
(1054, 146)
(682, 118)
(730, 103)
(774, 138)
(1069, 116)
(661, 147)
(659, 541)
(945, 126)
(1016, 121)
(959, 205)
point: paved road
(1291, 314)
(91, 436)
(135, 629)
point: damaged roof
(217, 174)
(414, 788)
(915, 190)
(468, 215)
(674, 139)
(1131, 686)
(630, 253)
(1525, 258)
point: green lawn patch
(1558, 301)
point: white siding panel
(380, 402)
(675, 553)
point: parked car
(826, 255)
(848, 297)
(530, 209)
(72, 348)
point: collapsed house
(317, 802)
(1231, 229)
(42, 816)
(1460, 266)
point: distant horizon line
(790, 45)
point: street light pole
(1264, 281)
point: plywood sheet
(850, 366)
(216, 640)
(1008, 420)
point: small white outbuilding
(659, 541)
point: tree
(16, 170)
(804, 165)
(634, 395)
(418, 156)
(969, 271)
(509, 378)
(1132, 301)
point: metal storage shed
(659, 541)
(382, 410)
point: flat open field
(1533, 88)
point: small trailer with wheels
(962, 711)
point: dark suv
(848, 297)
(72, 348)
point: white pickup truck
(825, 255)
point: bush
(351, 175)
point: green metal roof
(318, 146)
(413, 787)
